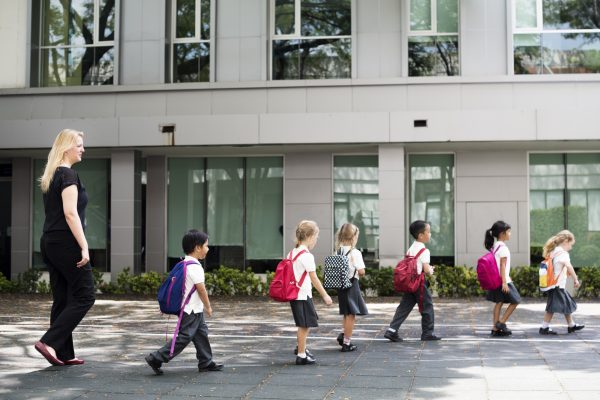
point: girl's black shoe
(308, 353)
(575, 328)
(348, 347)
(340, 339)
(547, 331)
(308, 360)
(499, 333)
(502, 327)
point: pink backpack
(487, 271)
(284, 286)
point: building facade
(242, 117)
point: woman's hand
(85, 258)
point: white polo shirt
(424, 258)
(195, 274)
(306, 262)
(356, 261)
(560, 259)
(501, 253)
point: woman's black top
(53, 204)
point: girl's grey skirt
(560, 301)
(498, 296)
(351, 301)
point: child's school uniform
(559, 300)
(303, 309)
(409, 300)
(350, 300)
(193, 328)
(497, 295)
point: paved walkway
(255, 339)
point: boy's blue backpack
(170, 296)
(172, 290)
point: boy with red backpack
(421, 232)
(192, 327)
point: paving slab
(255, 339)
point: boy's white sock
(391, 330)
(302, 355)
(545, 324)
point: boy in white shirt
(421, 232)
(193, 327)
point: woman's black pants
(72, 290)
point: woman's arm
(69, 197)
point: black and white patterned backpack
(335, 273)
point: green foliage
(459, 281)
(526, 279)
(378, 281)
(97, 279)
(27, 281)
(589, 278)
(7, 286)
(232, 281)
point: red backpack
(284, 287)
(406, 278)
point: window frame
(298, 36)
(174, 40)
(538, 30)
(97, 43)
(409, 33)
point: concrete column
(22, 197)
(491, 186)
(308, 195)
(392, 223)
(156, 214)
(125, 212)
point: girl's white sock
(347, 340)
(545, 324)
(572, 324)
(302, 355)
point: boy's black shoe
(393, 336)
(431, 337)
(575, 328)
(308, 353)
(212, 367)
(154, 364)
(547, 331)
(340, 339)
(348, 347)
(305, 361)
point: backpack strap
(497, 248)
(185, 303)
(562, 269)
(301, 281)
(418, 254)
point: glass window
(94, 175)
(356, 200)
(77, 43)
(566, 189)
(191, 40)
(221, 196)
(565, 41)
(433, 48)
(432, 200)
(311, 39)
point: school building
(242, 117)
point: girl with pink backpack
(495, 241)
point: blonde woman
(65, 249)
(559, 300)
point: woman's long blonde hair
(345, 234)
(557, 240)
(63, 142)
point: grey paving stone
(289, 392)
(344, 393)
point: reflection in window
(433, 38)
(432, 200)
(94, 175)
(237, 201)
(190, 44)
(565, 194)
(564, 39)
(77, 43)
(356, 200)
(313, 43)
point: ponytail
(494, 232)
(557, 240)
